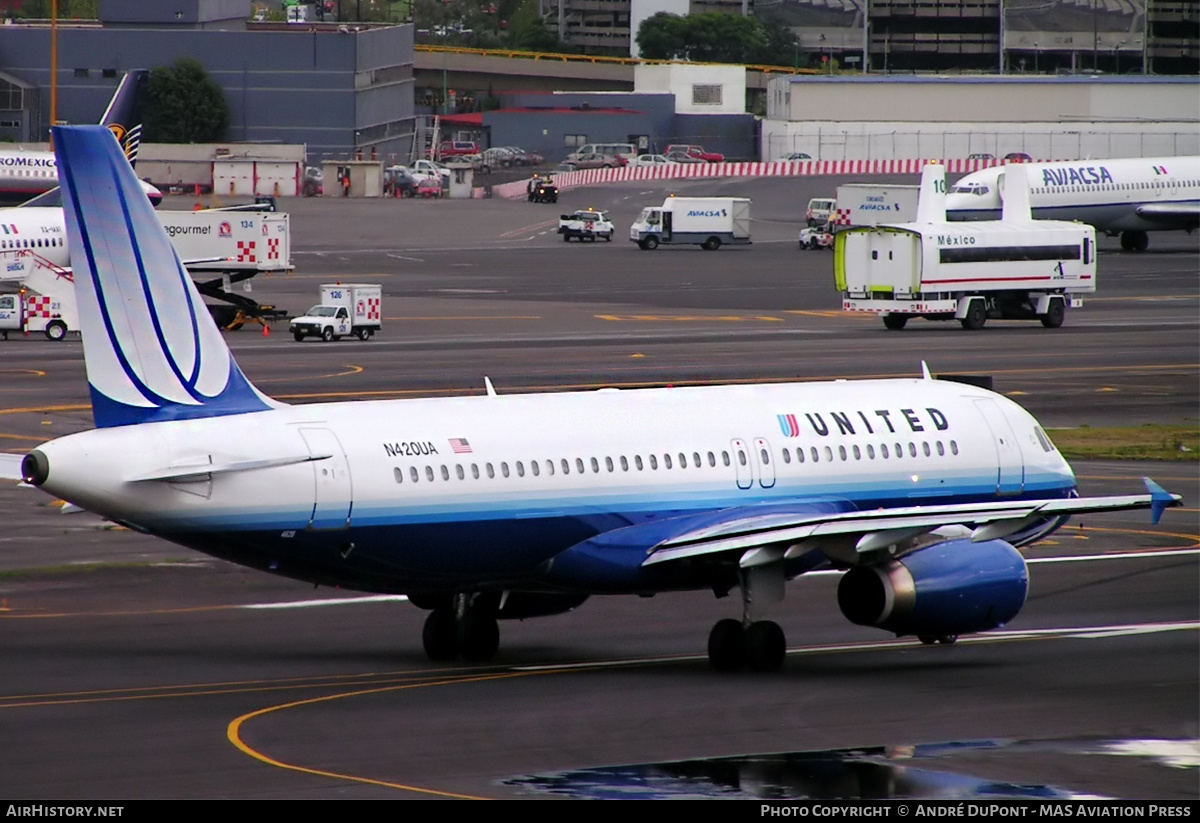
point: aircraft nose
(35, 468)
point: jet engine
(940, 591)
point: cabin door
(333, 491)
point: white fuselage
(1135, 194)
(485, 490)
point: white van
(596, 155)
(820, 209)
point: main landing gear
(466, 628)
(758, 645)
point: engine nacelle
(949, 588)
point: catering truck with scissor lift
(43, 296)
(1013, 268)
(708, 222)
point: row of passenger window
(681, 460)
(32, 243)
(870, 452)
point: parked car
(981, 155)
(399, 182)
(593, 160)
(1017, 157)
(797, 155)
(456, 148)
(651, 160)
(697, 152)
(683, 157)
(429, 187)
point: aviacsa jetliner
(512, 506)
(1127, 197)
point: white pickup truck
(586, 224)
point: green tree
(184, 105)
(663, 36)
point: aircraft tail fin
(123, 117)
(1016, 201)
(152, 351)
(931, 199)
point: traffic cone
(266, 330)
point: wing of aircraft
(513, 506)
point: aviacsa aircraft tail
(143, 365)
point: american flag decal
(459, 445)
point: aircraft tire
(766, 646)
(56, 330)
(895, 322)
(1056, 312)
(927, 639)
(440, 635)
(947, 639)
(976, 316)
(726, 646)
(478, 637)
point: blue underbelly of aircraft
(505, 549)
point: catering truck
(704, 221)
(872, 204)
(44, 299)
(1013, 268)
(345, 308)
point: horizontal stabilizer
(175, 473)
(10, 466)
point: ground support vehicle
(544, 191)
(586, 224)
(820, 210)
(872, 204)
(345, 308)
(818, 237)
(707, 222)
(1019, 270)
(232, 246)
(45, 300)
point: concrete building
(338, 91)
(1069, 117)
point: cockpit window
(970, 188)
(1043, 439)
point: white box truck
(345, 308)
(1014, 268)
(704, 221)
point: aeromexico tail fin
(151, 348)
(123, 117)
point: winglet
(487, 384)
(151, 348)
(1160, 499)
(925, 375)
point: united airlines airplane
(514, 506)
(1127, 197)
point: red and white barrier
(779, 168)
